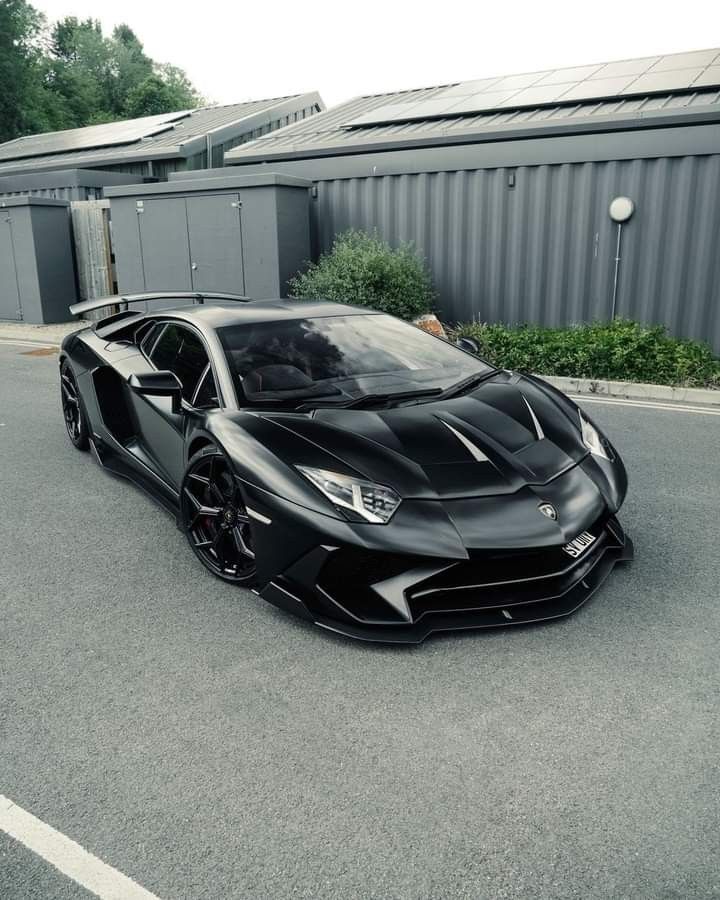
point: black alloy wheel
(73, 413)
(215, 519)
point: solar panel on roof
(516, 82)
(652, 82)
(597, 88)
(90, 137)
(602, 81)
(564, 76)
(701, 58)
(479, 102)
(625, 67)
(709, 77)
(538, 95)
(466, 88)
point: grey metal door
(164, 243)
(214, 231)
(10, 307)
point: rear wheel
(73, 413)
(215, 519)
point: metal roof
(151, 137)
(340, 130)
(627, 78)
(124, 132)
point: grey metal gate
(191, 245)
(215, 235)
(10, 307)
(164, 245)
(238, 234)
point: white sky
(252, 50)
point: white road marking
(35, 344)
(645, 404)
(67, 856)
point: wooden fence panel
(93, 250)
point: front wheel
(215, 519)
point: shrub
(363, 269)
(619, 350)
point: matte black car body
(468, 546)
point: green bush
(364, 270)
(619, 350)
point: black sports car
(349, 467)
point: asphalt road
(209, 746)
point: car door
(179, 349)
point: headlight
(591, 438)
(373, 502)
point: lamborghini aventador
(349, 467)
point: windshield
(339, 359)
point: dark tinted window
(145, 336)
(206, 394)
(182, 352)
(350, 355)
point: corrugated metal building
(504, 184)
(65, 184)
(156, 145)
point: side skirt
(116, 463)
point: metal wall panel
(10, 307)
(536, 243)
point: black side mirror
(158, 384)
(468, 345)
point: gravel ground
(209, 746)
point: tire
(76, 423)
(214, 518)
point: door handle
(193, 266)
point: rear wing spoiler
(124, 300)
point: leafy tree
(78, 71)
(20, 51)
(71, 74)
(166, 90)
(130, 67)
(182, 93)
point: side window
(182, 352)
(206, 395)
(145, 336)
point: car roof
(215, 314)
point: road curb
(631, 390)
(44, 335)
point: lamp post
(621, 208)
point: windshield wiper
(466, 384)
(372, 400)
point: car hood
(508, 433)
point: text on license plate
(579, 545)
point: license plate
(579, 545)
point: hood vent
(540, 434)
(474, 451)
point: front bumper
(398, 598)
